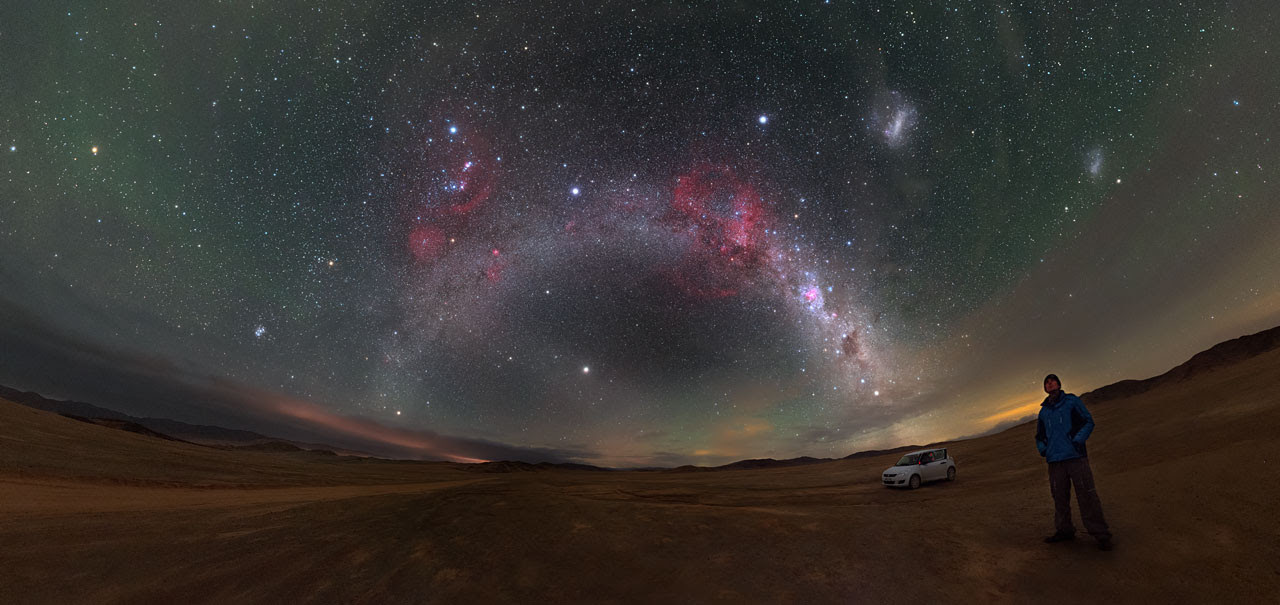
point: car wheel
(914, 482)
(951, 474)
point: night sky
(628, 234)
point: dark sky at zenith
(628, 234)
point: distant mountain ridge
(512, 466)
(1221, 354)
(751, 463)
(163, 428)
(124, 425)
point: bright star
(586, 370)
(453, 130)
(764, 119)
(575, 191)
(13, 148)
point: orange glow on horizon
(1020, 410)
(357, 427)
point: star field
(632, 234)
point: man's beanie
(1053, 377)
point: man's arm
(1082, 433)
(1042, 441)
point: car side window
(939, 454)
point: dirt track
(90, 514)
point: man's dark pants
(1062, 475)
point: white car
(920, 466)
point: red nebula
(444, 179)
(444, 185)
(494, 272)
(427, 243)
(728, 220)
(473, 182)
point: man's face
(1051, 385)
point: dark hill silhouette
(895, 450)
(1219, 355)
(66, 408)
(163, 428)
(771, 463)
(270, 446)
(125, 425)
(514, 466)
(750, 464)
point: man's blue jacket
(1063, 427)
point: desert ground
(1187, 475)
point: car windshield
(909, 460)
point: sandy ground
(1188, 479)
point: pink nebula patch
(426, 243)
(494, 272)
(728, 221)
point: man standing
(1061, 431)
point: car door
(929, 467)
(938, 468)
